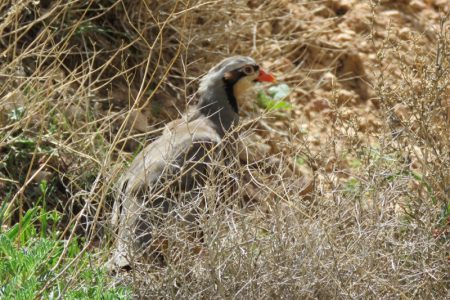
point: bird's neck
(220, 106)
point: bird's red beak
(265, 77)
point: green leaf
(300, 160)
(25, 270)
(26, 221)
(267, 102)
(279, 92)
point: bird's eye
(248, 70)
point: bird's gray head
(216, 74)
(230, 79)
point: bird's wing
(167, 152)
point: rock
(394, 16)
(402, 112)
(341, 7)
(404, 33)
(265, 29)
(368, 123)
(359, 17)
(328, 81)
(252, 148)
(345, 37)
(319, 105)
(41, 175)
(346, 97)
(10, 106)
(417, 5)
(138, 121)
(442, 4)
(352, 73)
(13, 100)
(75, 114)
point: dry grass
(84, 84)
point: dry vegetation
(346, 193)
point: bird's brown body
(176, 163)
(160, 170)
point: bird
(177, 161)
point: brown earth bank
(345, 182)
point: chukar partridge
(177, 160)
